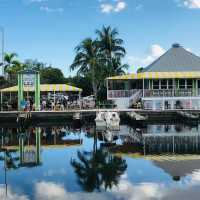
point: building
(170, 82)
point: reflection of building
(30, 156)
(174, 148)
(171, 138)
(178, 168)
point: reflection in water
(129, 163)
(97, 168)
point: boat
(107, 119)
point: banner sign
(28, 80)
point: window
(163, 83)
(155, 84)
(181, 83)
(189, 83)
(170, 83)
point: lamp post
(2, 29)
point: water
(62, 162)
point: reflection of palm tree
(97, 168)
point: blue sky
(49, 30)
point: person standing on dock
(44, 104)
(23, 103)
(28, 105)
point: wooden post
(54, 100)
(1, 101)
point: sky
(49, 30)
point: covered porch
(54, 88)
(154, 84)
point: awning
(158, 75)
(48, 87)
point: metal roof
(176, 59)
(28, 71)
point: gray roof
(175, 59)
(179, 168)
(28, 71)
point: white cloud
(192, 4)
(106, 8)
(148, 59)
(139, 7)
(120, 6)
(132, 59)
(188, 49)
(155, 50)
(30, 1)
(152, 52)
(50, 10)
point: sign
(28, 80)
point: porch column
(20, 91)
(80, 101)
(37, 91)
(38, 144)
(1, 101)
(143, 88)
(107, 87)
(54, 100)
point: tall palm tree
(110, 45)
(11, 64)
(11, 67)
(89, 61)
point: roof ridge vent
(176, 45)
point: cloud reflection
(124, 190)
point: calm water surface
(62, 162)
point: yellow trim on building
(158, 75)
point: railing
(113, 94)
(158, 93)
(172, 93)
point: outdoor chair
(9, 108)
(148, 106)
(72, 105)
(57, 107)
(167, 105)
(159, 105)
(34, 108)
(187, 104)
(198, 104)
(135, 105)
(92, 104)
(178, 104)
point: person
(23, 103)
(28, 105)
(62, 106)
(44, 104)
(52, 104)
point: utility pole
(2, 29)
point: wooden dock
(68, 114)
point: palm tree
(89, 61)
(109, 45)
(118, 68)
(140, 70)
(11, 64)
